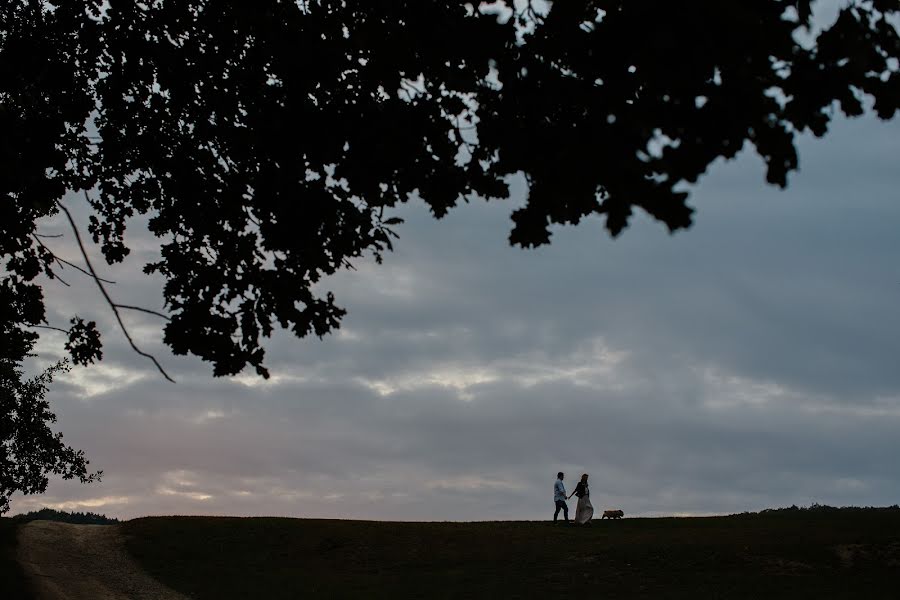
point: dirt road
(84, 562)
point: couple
(584, 511)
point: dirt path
(84, 562)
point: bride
(585, 510)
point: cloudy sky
(750, 362)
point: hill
(12, 580)
(788, 553)
(834, 553)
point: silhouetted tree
(61, 516)
(298, 124)
(268, 141)
(29, 450)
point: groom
(559, 497)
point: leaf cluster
(267, 142)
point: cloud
(748, 362)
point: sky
(748, 362)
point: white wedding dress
(584, 510)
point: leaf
(84, 345)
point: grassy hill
(12, 580)
(852, 553)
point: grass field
(791, 554)
(12, 580)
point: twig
(55, 275)
(103, 291)
(251, 219)
(65, 262)
(49, 327)
(145, 310)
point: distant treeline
(77, 518)
(816, 508)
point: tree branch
(103, 291)
(55, 275)
(63, 261)
(145, 310)
(51, 327)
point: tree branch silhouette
(113, 306)
(144, 310)
(50, 327)
(63, 261)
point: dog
(612, 514)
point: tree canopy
(299, 124)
